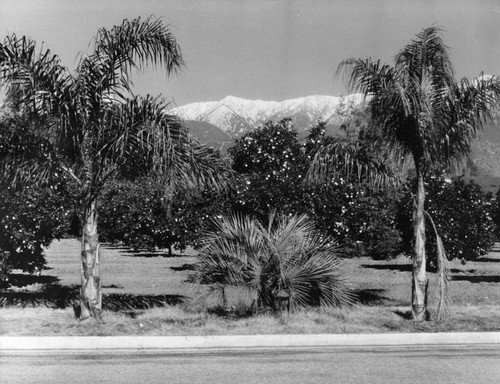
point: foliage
(363, 222)
(341, 193)
(4, 269)
(436, 117)
(29, 218)
(355, 158)
(496, 214)
(463, 215)
(371, 219)
(134, 213)
(29, 222)
(287, 261)
(426, 116)
(97, 128)
(271, 164)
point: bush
(287, 261)
(29, 221)
(362, 221)
(372, 222)
(270, 163)
(462, 213)
(33, 215)
(133, 213)
(496, 215)
(4, 269)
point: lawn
(42, 305)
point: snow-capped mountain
(217, 123)
(236, 116)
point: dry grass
(383, 287)
(171, 321)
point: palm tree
(286, 261)
(425, 115)
(94, 128)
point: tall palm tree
(95, 128)
(425, 115)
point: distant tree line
(270, 167)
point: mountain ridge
(218, 123)
(237, 116)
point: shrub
(4, 269)
(288, 259)
(133, 213)
(462, 213)
(270, 163)
(29, 221)
(371, 218)
(496, 214)
(32, 217)
(364, 222)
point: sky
(265, 49)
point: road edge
(29, 343)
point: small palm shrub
(287, 261)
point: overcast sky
(266, 49)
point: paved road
(327, 365)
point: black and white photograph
(249, 191)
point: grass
(146, 280)
(169, 321)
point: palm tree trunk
(90, 291)
(419, 275)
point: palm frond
(203, 168)
(365, 75)
(26, 158)
(133, 44)
(288, 256)
(37, 74)
(426, 56)
(470, 105)
(344, 159)
(444, 300)
(422, 112)
(136, 42)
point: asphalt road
(386, 365)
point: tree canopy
(97, 128)
(423, 114)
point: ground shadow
(477, 279)
(390, 267)
(58, 296)
(371, 296)
(115, 246)
(487, 260)
(183, 267)
(404, 314)
(456, 270)
(132, 253)
(51, 296)
(122, 302)
(113, 286)
(238, 312)
(22, 279)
